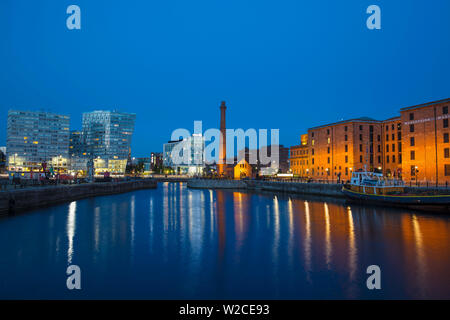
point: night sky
(286, 64)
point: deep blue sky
(285, 64)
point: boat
(373, 188)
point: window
(360, 147)
(387, 148)
(379, 148)
(328, 149)
(312, 151)
(345, 138)
(312, 162)
(399, 147)
(360, 127)
(399, 136)
(393, 159)
(413, 171)
(387, 159)
(328, 160)
(346, 159)
(345, 128)
(447, 170)
(393, 127)
(445, 123)
(328, 131)
(378, 138)
(346, 171)
(371, 128)
(393, 136)
(411, 128)
(346, 148)
(413, 155)
(446, 153)
(446, 138)
(399, 158)
(387, 128)
(445, 110)
(328, 140)
(412, 142)
(393, 147)
(411, 116)
(379, 159)
(387, 137)
(360, 137)
(360, 159)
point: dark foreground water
(174, 242)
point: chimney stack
(223, 140)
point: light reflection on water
(175, 242)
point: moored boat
(372, 188)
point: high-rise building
(34, 138)
(107, 137)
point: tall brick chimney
(223, 140)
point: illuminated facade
(243, 170)
(299, 158)
(107, 137)
(337, 149)
(392, 148)
(426, 144)
(34, 138)
(185, 156)
(413, 147)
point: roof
(362, 119)
(425, 104)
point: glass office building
(185, 156)
(34, 138)
(107, 138)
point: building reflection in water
(352, 252)
(71, 228)
(222, 244)
(307, 242)
(328, 246)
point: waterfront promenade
(15, 200)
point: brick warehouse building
(299, 159)
(426, 142)
(414, 146)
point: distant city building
(270, 160)
(156, 160)
(2, 159)
(107, 137)
(34, 138)
(190, 156)
(78, 152)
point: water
(178, 243)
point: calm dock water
(173, 242)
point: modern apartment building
(35, 138)
(107, 138)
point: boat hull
(419, 202)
